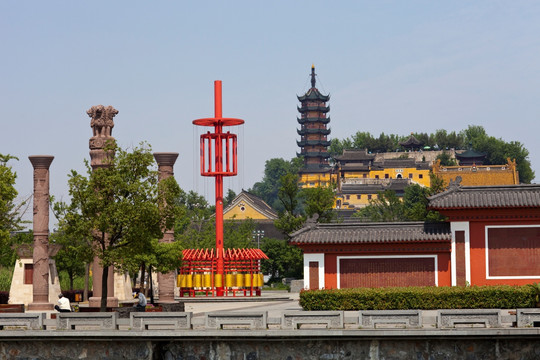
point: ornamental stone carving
(102, 124)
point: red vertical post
(218, 139)
(219, 186)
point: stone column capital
(165, 158)
(41, 161)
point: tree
(284, 260)
(274, 169)
(10, 217)
(74, 256)
(387, 206)
(320, 201)
(122, 208)
(290, 218)
(446, 159)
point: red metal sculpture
(218, 159)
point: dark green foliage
(284, 260)
(425, 298)
(268, 188)
(446, 159)
(10, 216)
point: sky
(390, 66)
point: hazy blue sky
(390, 66)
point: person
(141, 305)
(63, 304)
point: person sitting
(63, 304)
(141, 305)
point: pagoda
(313, 131)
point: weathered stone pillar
(40, 277)
(102, 124)
(166, 282)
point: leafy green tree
(10, 217)
(8, 253)
(446, 159)
(386, 207)
(73, 256)
(274, 169)
(228, 198)
(122, 207)
(289, 219)
(498, 151)
(320, 201)
(284, 260)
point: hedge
(425, 298)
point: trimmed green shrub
(426, 298)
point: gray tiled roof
(507, 196)
(354, 233)
(351, 155)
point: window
(364, 175)
(358, 197)
(420, 176)
(369, 197)
(347, 197)
(376, 176)
(386, 176)
(410, 175)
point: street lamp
(259, 234)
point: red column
(165, 161)
(40, 278)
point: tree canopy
(123, 209)
(10, 217)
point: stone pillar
(167, 281)
(102, 124)
(40, 277)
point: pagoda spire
(313, 75)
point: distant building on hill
(249, 206)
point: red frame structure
(218, 159)
(242, 270)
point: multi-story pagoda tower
(313, 131)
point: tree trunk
(86, 281)
(143, 275)
(151, 284)
(71, 276)
(104, 278)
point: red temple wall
(511, 250)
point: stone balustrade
(368, 320)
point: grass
(78, 281)
(6, 274)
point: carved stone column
(40, 277)
(166, 282)
(102, 124)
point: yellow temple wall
(236, 213)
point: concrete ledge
(176, 320)
(406, 318)
(294, 319)
(528, 317)
(104, 320)
(469, 317)
(217, 320)
(32, 321)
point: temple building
(491, 237)
(471, 173)
(361, 176)
(314, 133)
(247, 206)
